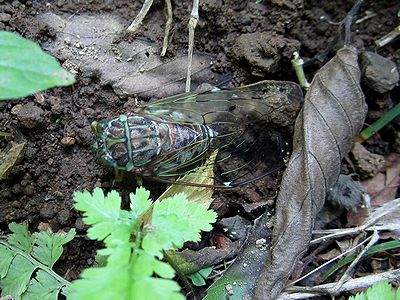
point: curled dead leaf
(333, 113)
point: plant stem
(297, 64)
(380, 123)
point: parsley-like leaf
(22, 254)
(49, 246)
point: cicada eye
(97, 128)
(105, 160)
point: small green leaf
(198, 277)
(378, 291)
(99, 211)
(20, 237)
(6, 257)
(175, 221)
(42, 287)
(18, 277)
(49, 246)
(26, 69)
(140, 202)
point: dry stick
(346, 276)
(168, 24)
(329, 262)
(139, 18)
(194, 17)
(358, 283)
(388, 38)
(321, 57)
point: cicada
(171, 137)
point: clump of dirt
(253, 41)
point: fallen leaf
(333, 113)
(89, 44)
(10, 158)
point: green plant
(25, 69)
(26, 263)
(198, 278)
(134, 243)
(379, 291)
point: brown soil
(39, 189)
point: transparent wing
(243, 120)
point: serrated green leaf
(201, 218)
(20, 237)
(105, 283)
(26, 69)
(103, 213)
(49, 246)
(174, 222)
(144, 264)
(166, 289)
(42, 287)
(140, 202)
(379, 291)
(119, 254)
(18, 277)
(6, 256)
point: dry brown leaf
(89, 44)
(333, 113)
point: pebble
(42, 226)
(80, 225)
(367, 164)
(29, 114)
(4, 17)
(17, 189)
(63, 216)
(379, 73)
(47, 212)
(29, 190)
(68, 141)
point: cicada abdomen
(133, 142)
(172, 136)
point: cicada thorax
(152, 146)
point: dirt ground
(59, 159)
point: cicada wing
(264, 100)
(240, 118)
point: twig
(194, 17)
(349, 20)
(358, 283)
(388, 38)
(346, 276)
(168, 24)
(329, 261)
(139, 18)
